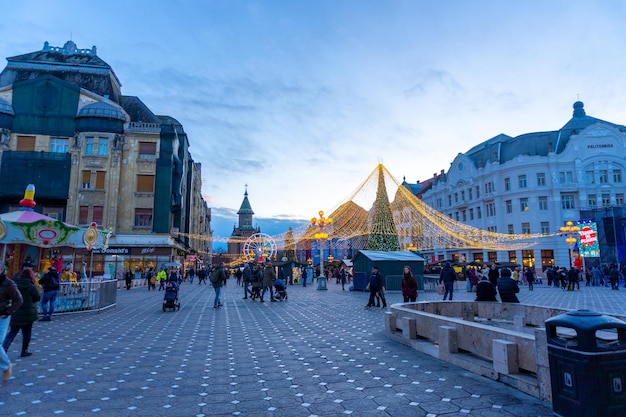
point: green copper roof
(245, 208)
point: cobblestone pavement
(321, 353)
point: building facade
(535, 183)
(96, 155)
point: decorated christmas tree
(383, 234)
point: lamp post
(569, 229)
(320, 237)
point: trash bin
(587, 356)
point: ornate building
(244, 230)
(96, 155)
(535, 183)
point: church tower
(243, 230)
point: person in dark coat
(447, 277)
(507, 287)
(26, 314)
(10, 300)
(485, 291)
(409, 285)
(376, 288)
(129, 279)
(493, 275)
(269, 276)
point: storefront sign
(111, 251)
(180, 252)
(191, 258)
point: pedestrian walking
(269, 276)
(409, 285)
(162, 277)
(50, 284)
(24, 317)
(217, 280)
(447, 276)
(129, 279)
(485, 291)
(376, 289)
(246, 276)
(10, 300)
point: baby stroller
(280, 293)
(170, 299)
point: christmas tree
(383, 234)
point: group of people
(18, 308)
(493, 281)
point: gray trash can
(587, 356)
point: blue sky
(302, 99)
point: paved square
(321, 353)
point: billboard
(588, 240)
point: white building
(535, 183)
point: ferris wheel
(259, 247)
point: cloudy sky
(302, 99)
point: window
(541, 179)
(589, 177)
(522, 181)
(567, 202)
(147, 150)
(469, 193)
(464, 214)
(604, 176)
(619, 199)
(606, 200)
(98, 147)
(617, 175)
(523, 204)
(491, 209)
(86, 180)
(439, 202)
(145, 183)
(100, 176)
(83, 215)
(449, 200)
(525, 228)
(59, 145)
(489, 188)
(509, 206)
(543, 203)
(512, 256)
(477, 191)
(103, 146)
(566, 177)
(462, 195)
(89, 145)
(510, 229)
(471, 214)
(478, 213)
(143, 217)
(97, 214)
(492, 229)
(592, 201)
(456, 197)
(507, 184)
(25, 143)
(545, 228)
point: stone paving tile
(319, 354)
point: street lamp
(570, 230)
(320, 237)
